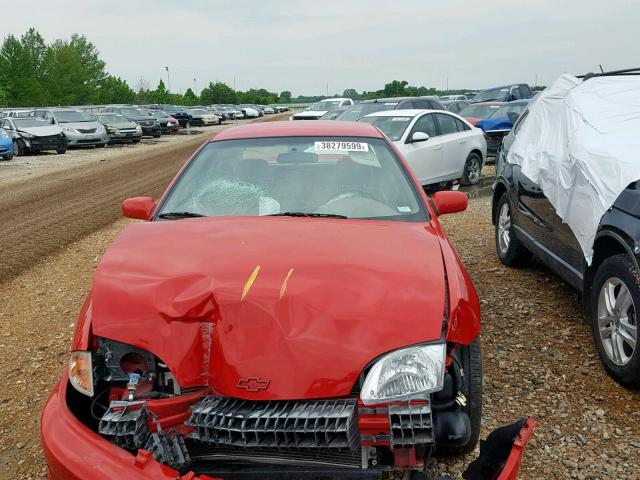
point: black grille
(337, 457)
(126, 427)
(315, 424)
(86, 130)
(411, 424)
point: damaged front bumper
(222, 448)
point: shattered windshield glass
(298, 176)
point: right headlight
(405, 374)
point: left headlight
(3, 134)
(26, 135)
(81, 372)
(405, 374)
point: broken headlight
(405, 374)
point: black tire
(61, 151)
(471, 359)
(7, 157)
(137, 140)
(18, 148)
(472, 172)
(619, 268)
(511, 251)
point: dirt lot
(538, 353)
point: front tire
(510, 250)
(472, 173)
(18, 148)
(61, 151)
(614, 310)
(471, 360)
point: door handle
(439, 147)
(462, 141)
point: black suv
(526, 222)
(506, 93)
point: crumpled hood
(44, 131)
(303, 305)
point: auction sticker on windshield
(339, 146)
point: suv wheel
(472, 169)
(510, 250)
(615, 304)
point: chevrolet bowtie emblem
(253, 384)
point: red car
(291, 305)
(478, 111)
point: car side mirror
(418, 137)
(139, 208)
(450, 202)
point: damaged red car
(291, 306)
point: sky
(311, 47)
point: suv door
(533, 213)
(424, 158)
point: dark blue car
(497, 126)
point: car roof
(396, 99)
(320, 128)
(487, 103)
(409, 112)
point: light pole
(168, 80)
(195, 84)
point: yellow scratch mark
(252, 278)
(284, 284)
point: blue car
(498, 125)
(6, 145)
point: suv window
(447, 123)
(525, 92)
(520, 122)
(426, 124)
(424, 103)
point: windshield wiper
(307, 214)
(177, 215)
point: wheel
(156, 135)
(18, 148)
(7, 157)
(471, 360)
(137, 140)
(472, 169)
(511, 251)
(615, 299)
(61, 151)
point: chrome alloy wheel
(504, 228)
(617, 322)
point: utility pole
(168, 80)
(447, 84)
(327, 89)
(195, 84)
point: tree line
(70, 72)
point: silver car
(79, 127)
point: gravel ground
(539, 359)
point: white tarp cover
(581, 145)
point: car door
(534, 214)
(423, 157)
(454, 146)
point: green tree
(395, 89)
(22, 69)
(190, 98)
(160, 94)
(285, 97)
(217, 93)
(114, 90)
(75, 71)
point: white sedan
(439, 146)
